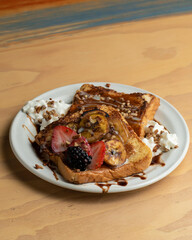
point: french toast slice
(136, 108)
(138, 155)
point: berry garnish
(98, 153)
(77, 158)
(62, 136)
(83, 143)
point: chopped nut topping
(37, 109)
(165, 150)
(108, 98)
(38, 166)
(156, 148)
(156, 131)
(50, 103)
(47, 116)
(53, 113)
(125, 114)
(107, 85)
(134, 114)
(40, 108)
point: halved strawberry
(61, 135)
(83, 143)
(98, 153)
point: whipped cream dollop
(158, 139)
(44, 112)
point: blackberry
(77, 158)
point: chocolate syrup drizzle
(121, 182)
(104, 186)
(156, 160)
(35, 146)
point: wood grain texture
(155, 55)
(27, 20)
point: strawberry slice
(98, 152)
(83, 143)
(61, 136)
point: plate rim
(82, 187)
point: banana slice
(115, 153)
(94, 125)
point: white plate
(166, 114)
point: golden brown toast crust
(137, 108)
(104, 173)
(138, 154)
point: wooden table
(154, 54)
